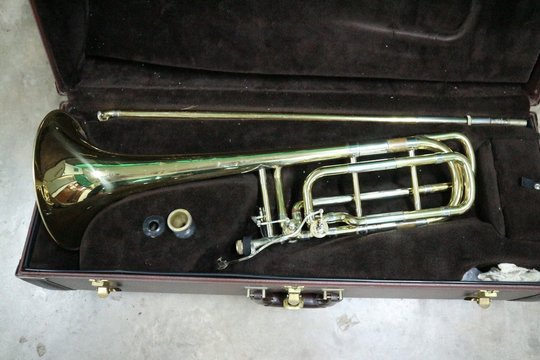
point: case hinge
(483, 297)
(333, 294)
(256, 292)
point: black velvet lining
(487, 193)
(115, 238)
(420, 40)
(462, 41)
(47, 255)
(63, 24)
(515, 158)
(107, 84)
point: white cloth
(510, 272)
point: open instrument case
(383, 58)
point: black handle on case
(310, 300)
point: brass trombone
(75, 180)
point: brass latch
(483, 297)
(104, 287)
(294, 298)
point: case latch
(104, 287)
(294, 298)
(483, 297)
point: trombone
(75, 180)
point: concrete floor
(38, 323)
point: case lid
(382, 47)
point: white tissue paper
(510, 272)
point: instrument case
(386, 58)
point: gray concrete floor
(38, 323)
